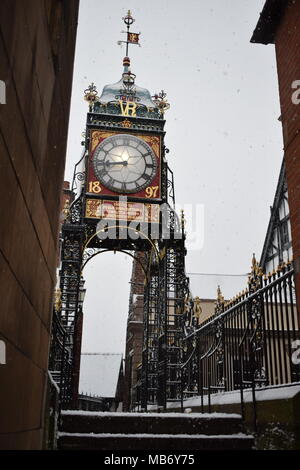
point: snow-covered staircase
(152, 431)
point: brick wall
(37, 41)
(287, 43)
(134, 336)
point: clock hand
(125, 163)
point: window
(284, 232)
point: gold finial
(66, 209)
(220, 297)
(255, 268)
(57, 300)
(197, 309)
(161, 102)
(220, 303)
(91, 94)
(254, 278)
(186, 304)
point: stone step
(152, 431)
(154, 442)
(150, 423)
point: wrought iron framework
(165, 287)
(149, 380)
(248, 343)
(164, 301)
(165, 280)
(60, 361)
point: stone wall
(37, 43)
(277, 413)
(287, 40)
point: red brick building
(37, 43)
(134, 336)
(279, 24)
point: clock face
(124, 163)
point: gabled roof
(269, 21)
(99, 374)
(281, 185)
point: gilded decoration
(126, 123)
(220, 303)
(66, 209)
(93, 208)
(161, 102)
(254, 278)
(91, 94)
(153, 141)
(197, 309)
(57, 300)
(115, 210)
(97, 135)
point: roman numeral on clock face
(124, 163)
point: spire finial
(254, 278)
(132, 38)
(91, 94)
(220, 303)
(161, 101)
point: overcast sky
(222, 129)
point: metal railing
(60, 363)
(247, 343)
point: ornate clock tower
(125, 199)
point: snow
(274, 392)
(153, 436)
(151, 415)
(53, 382)
(99, 374)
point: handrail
(219, 316)
(252, 336)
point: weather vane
(132, 38)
